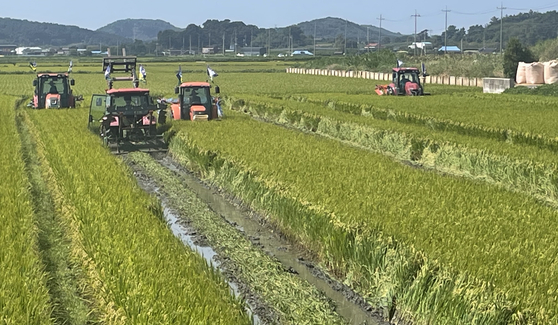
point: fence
(442, 80)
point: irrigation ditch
(278, 280)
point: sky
(397, 16)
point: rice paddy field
(436, 210)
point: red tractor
(195, 102)
(405, 81)
(53, 90)
(126, 114)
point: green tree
(515, 53)
(546, 50)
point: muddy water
(183, 233)
(277, 247)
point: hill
(330, 28)
(140, 29)
(31, 33)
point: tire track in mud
(289, 258)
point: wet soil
(351, 306)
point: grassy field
(341, 199)
(24, 297)
(472, 245)
(83, 243)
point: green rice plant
(67, 288)
(516, 167)
(293, 299)
(485, 255)
(24, 297)
(522, 116)
(138, 271)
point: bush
(546, 50)
(515, 53)
(543, 90)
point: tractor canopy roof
(126, 91)
(405, 69)
(195, 84)
(45, 75)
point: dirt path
(252, 227)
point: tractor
(126, 114)
(195, 102)
(53, 90)
(405, 81)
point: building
(421, 45)
(253, 51)
(449, 49)
(8, 49)
(208, 50)
(489, 50)
(30, 51)
(303, 52)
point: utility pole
(290, 43)
(380, 36)
(190, 48)
(345, 48)
(484, 38)
(415, 46)
(223, 43)
(315, 23)
(501, 21)
(446, 32)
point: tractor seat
(403, 82)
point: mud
(156, 144)
(258, 311)
(350, 305)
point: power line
(432, 14)
(399, 20)
(475, 13)
(545, 7)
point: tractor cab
(126, 113)
(53, 90)
(195, 102)
(406, 81)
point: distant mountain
(529, 28)
(140, 29)
(330, 28)
(31, 33)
